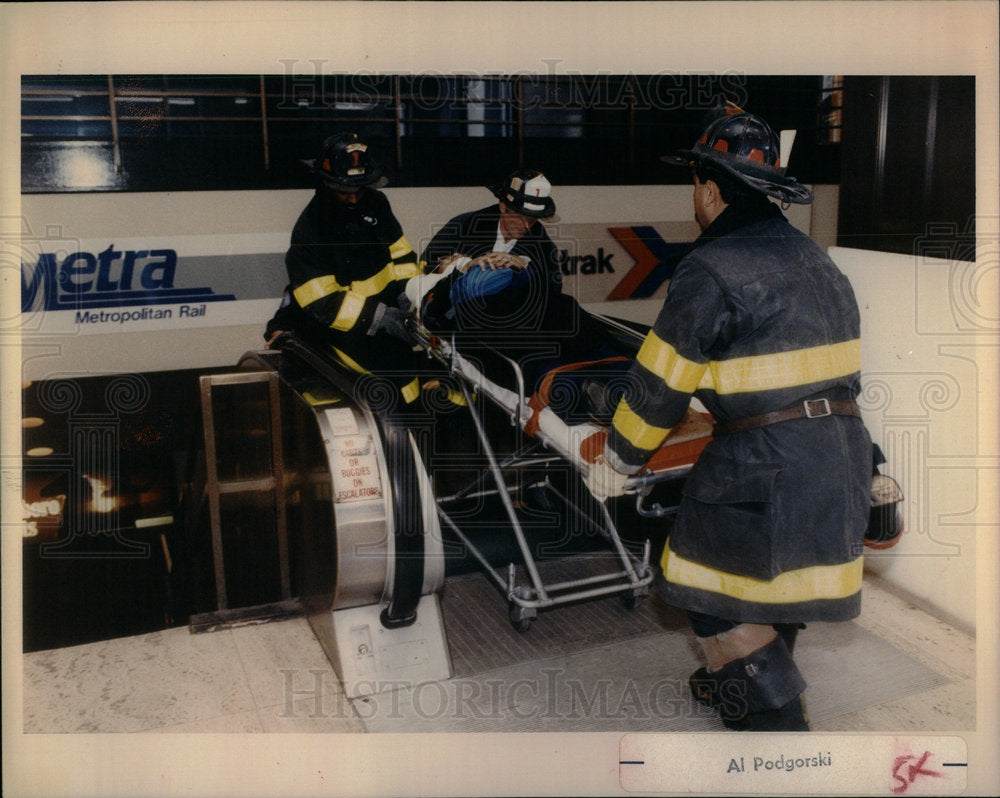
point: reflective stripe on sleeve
(662, 359)
(804, 584)
(785, 369)
(377, 283)
(411, 391)
(637, 432)
(356, 293)
(399, 247)
(317, 288)
(404, 271)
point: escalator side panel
(361, 502)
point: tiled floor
(234, 680)
(275, 678)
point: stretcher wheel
(522, 625)
(521, 617)
(632, 599)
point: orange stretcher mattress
(680, 449)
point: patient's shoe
(598, 400)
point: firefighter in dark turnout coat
(760, 325)
(347, 256)
(511, 227)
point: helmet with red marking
(745, 147)
(528, 192)
(346, 165)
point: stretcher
(368, 554)
(549, 435)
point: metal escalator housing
(369, 552)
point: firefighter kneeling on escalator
(763, 328)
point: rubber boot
(788, 632)
(705, 687)
(790, 717)
(758, 692)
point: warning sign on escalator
(353, 464)
(355, 469)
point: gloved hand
(391, 321)
(603, 481)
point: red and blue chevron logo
(655, 261)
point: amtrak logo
(655, 261)
(108, 279)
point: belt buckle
(822, 412)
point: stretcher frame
(632, 576)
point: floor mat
(596, 666)
(481, 638)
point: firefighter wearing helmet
(502, 284)
(348, 256)
(762, 327)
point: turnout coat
(522, 312)
(343, 262)
(526, 303)
(757, 318)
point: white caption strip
(798, 764)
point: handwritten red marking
(900, 767)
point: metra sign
(109, 279)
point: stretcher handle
(644, 482)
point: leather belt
(810, 408)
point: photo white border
(757, 38)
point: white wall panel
(929, 361)
(260, 222)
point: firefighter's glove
(603, 481)
(391, 321)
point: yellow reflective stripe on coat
(637, 432)
(411, 390)
(350, 362)
(404, 271)
(399, 247)
(816, 582)
(784, 369)
(349, 311)
(662, 359)
(317, 288)
(377, 283)
(356, 293)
